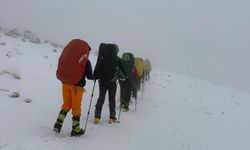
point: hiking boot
(121, 105)
(59, 121)
(76, 130)
(97, 120)
(112, 119)
(125, 108)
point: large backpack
(138, 65)
(128, 63)
(107, 61)
(71, 64)
(146, 65)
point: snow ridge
(174, 111)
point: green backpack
(128, 62)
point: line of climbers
(74, 67)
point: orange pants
(72, 98)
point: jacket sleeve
(88, 71)
(97, 71)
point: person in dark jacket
(108, 84)
(126, 85)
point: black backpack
(105, 68)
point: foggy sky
(208, 39)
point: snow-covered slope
(175, 112)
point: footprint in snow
(47, 134)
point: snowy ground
(175, 112)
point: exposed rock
(53, 44)
(8, 55)
(13, 33)
(31, 37)
(13, 74)
(14, 95)
(46, 41)
(27, 100)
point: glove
(95, 76)
(81, 83)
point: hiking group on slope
(73, 69)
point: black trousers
(136, 87)
(126, 89)
(105, 86)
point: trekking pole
(118, 121)
(85, 128)
(135, 103)
(142, 89)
